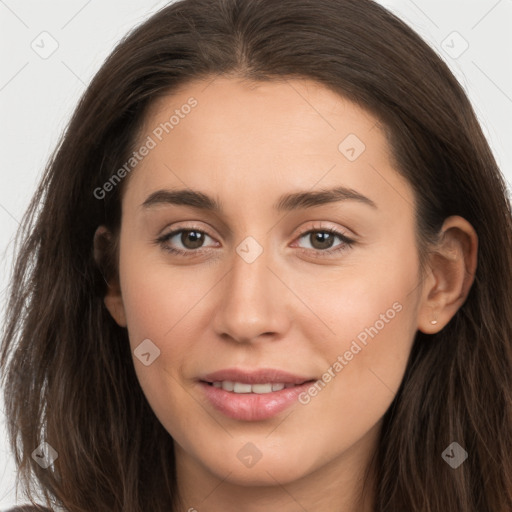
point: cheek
(380, 312)
(369, 297)
(157, 297)
(158, 305)
(371, 310)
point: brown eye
(191, 241)
(322, 240)
(194, 238)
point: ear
(452, 267)
(104, 255)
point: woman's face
(264, 285)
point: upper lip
(260, 376)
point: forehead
(230, 134)
(297, 110)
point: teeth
(239, 387)
(228, 385)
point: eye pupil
(196, 236)
(322, 236)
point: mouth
(260, 389)
(252, 395)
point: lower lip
(252, 406)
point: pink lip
(253, 406)
(262, 376)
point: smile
(240, 387)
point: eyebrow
(286, 202)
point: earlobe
(452, 271)
(104, 255)
(114, 304)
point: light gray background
(37, 95)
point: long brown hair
(67, 368)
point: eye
(191, 239)
(321, 241)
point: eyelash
(347, 242)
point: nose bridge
(250, 303)
(250, 272)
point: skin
(246, 144)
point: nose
(252, 302)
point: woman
(246, 370)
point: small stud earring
(433, 322)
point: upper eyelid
(342, 231)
